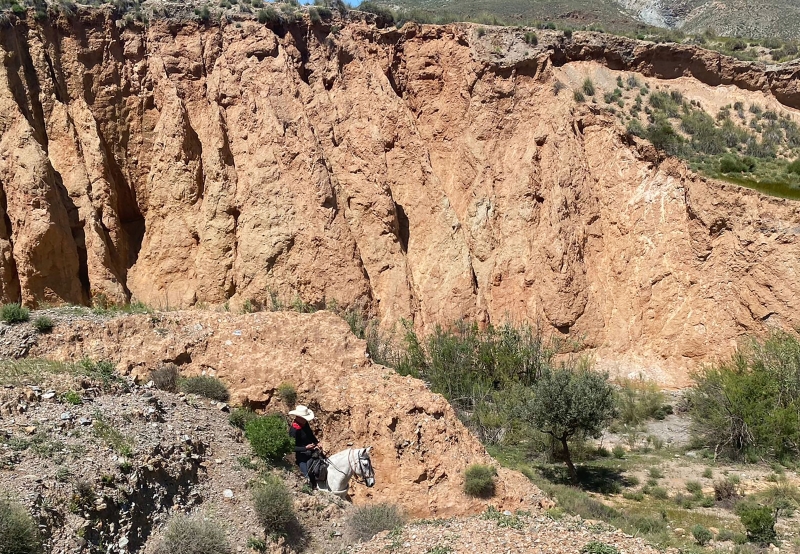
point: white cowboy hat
(302, 411)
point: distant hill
(750, 18)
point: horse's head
(364, 467)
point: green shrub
(638, 496)
(588, 87)
(273, 504)
(794, 167)
(759, 522)
(14, 313)
(655, 473)
(72, 397)
(578, 96)
(708, 473)
(166, 377)
(702, 535)
(647, 525)
(725, 535)
(193, 535)
(314, 16)
(639, 400)
(479, 480)
(383, 13)
(618, 451)
(365, 522)
(288, 394)
(694, 487)
(269, 437)
(635, 128)
(18, 532)
(730, 163)
(43, 324)
(784, 497)
(240, 417)
(748, 405)
(204, 385)
(268, 15)
(596, 547)
(531, 38)
(659, 493)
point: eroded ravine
(418, 173)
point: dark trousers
(304, 470)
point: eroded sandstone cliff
(422, 173)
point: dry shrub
(18, 532)
(166, 377)
(367, 521)
(193, 535)
(203, 385)
(273, 504)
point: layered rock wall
(418, 173)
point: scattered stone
(227, 493)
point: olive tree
(571, 402)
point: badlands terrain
(218, 176)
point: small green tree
(569, 403)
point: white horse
(343, 465)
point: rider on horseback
(306, 445)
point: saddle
(318, 467)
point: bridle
(355, 463)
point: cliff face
(414, 172)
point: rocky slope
(106, 470)
(420, 447)
(425, 174)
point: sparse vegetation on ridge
(755, 149)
